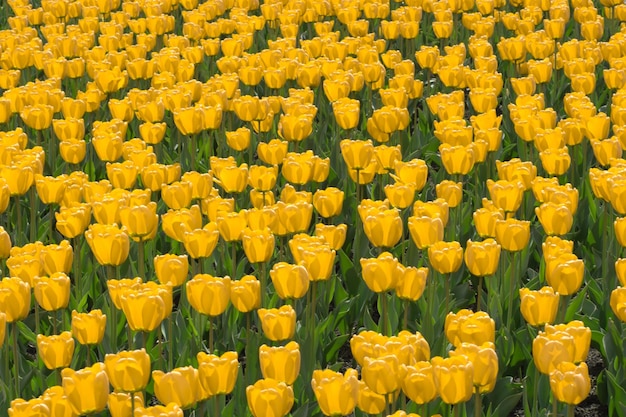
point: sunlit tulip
(218, 374)
(87, 389)
(469, 327)
(445, 257)
(618, 303)
(290, 281)
(506, 195)
(119, 403)
(55, 351)
(384, 228)
(179, 386)
(328, 202)
(278, 324)
(88, 328)
(513, 235)
(268, 397)
(334, 235)
(200, 243)
(336, 393)
(273, 152)
(539, 307)
(144, 309)
(382, 273)
(175, 223)
(550, 349)
(570, 383)
(171, 269)
(109, 244)
(128, 371)
(14, 299)
(245, 294)
(482, 258)
(453, 378)
(170, 410)
(281, 363)
(52, 293)
(381, 374)
(209, 295)
(425, 231)
(581, 335)
(418, 382)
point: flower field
(295, 207)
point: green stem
(405, 318)
(563, 302)
(216, 408)
(535, 391)
(210, 334)
(555, 407)
(51, 225)
(263, 279)
(479, 291)
(16, 360)
(170, 343)
(192, 151)
(33, 214)
(570, 410)
(233, 259)
(88, 355)
(478, 405)
(446, 283)
(37, 319)
(18, 238)
(129, 336)
(509, 313)
(141, 259)
(383, 318)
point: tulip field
(266, 208)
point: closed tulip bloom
(144, 309)
(382, 273)
(617, 302)
(128, 371)
(119, 403)
(556, 219)
(19, 179)
(469, 327)
(209, 295)
(55, 351)
(445, 257)
(457, 159)
(482, 258)
(57, 258)
(400, 195)
(328, 202)
(122, 174)
(506, 195)
(52, 293)
(36, 407)
(581, 335)
(245, 294)
(425, 231)
(153, 176)
(319, 261)
(170, 410)
(272, 152)
(566, 273)
(3, 327)
(88, 328)
(485, 221)
(570, 383)
(262, 178)
(140, 221)
(50, 189)
(381, 374)
(620, 271)
(200, 243)
(336, 393)
(268, 397)
(38, 116)
(177, 195)
(201, 184)
(369, 401)
(290, 281)
(178, 386)
(171, 269)
(384, 228)
(550, 349)
(109, 244)
(513, 235)
(175, 223)
(14, 299)
(233, 179)
(485, 362)
(5, 243)
(281, 363)
(357, 154)
(453, 378)
(278, 324)
(57, 402)
(539, 307)
(418, 382)
(218, 374)
(87, 389)
(335, 235)
(411, 284)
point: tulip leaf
(506, 395)
(617, 395)
(27, 332)
(601, 387)
(330, 351)
(575, 304)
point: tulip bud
(218, 374)
(269, 397)
(281, 363)
(336, 393)
(453, 378)
(179, 386)
(278, 324)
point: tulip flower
(57, 258)
(485, 362)
(119, 403)
(269, 397)
(382, 273)
(52, 293)
(556, 219)
(383, 229)
(281, 363)
(570, 383)
(200, 243)
(88, 328)
(506, 195)
(109, 244)
(335, 235)
(140, 221)
(218, 374)
(469, 327)
(381, 374)
(453, 378)
(278, 324)
(445, 257)
(171, 269)
(290, 281)
(617, 302)
(144, 308)
(55, 351)
(425, 231)
(128, 371)
(86, 389)
(551, 349)
(513, 235)
(272, 152)
(209, 295)
(14, 299)
(565, 273)
(411, 284)
(245, 294)
(418, 382)
(179, 386)
(581, 335)
(336, 393)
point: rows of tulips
(301, 207)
